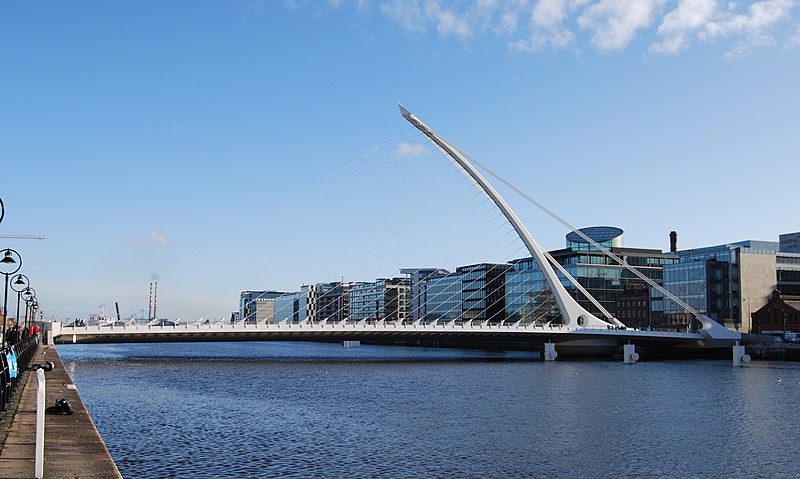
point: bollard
(40, 407)
(739, 356)
(550, 353)
(629, 353)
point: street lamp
(29, 295)
(19, 284)
(10, 263)
(34, 309)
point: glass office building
(483, 292)
(383, 299)
(287, 308)
(418, 298)
(257, 306)
(443, 298)
(529, 298)
(725, 282)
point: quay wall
(73, 446)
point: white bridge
(582, 342)
(580, 333)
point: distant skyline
(174, 140)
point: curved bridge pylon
(574, 316)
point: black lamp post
(18, 284)
(29, 295)
(10, 263)
(34, 310)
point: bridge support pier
(740, 358)
(629, 354)
(550, 353)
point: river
(259, 409)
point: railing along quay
(14, 360)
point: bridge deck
(467, 334)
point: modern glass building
(257, 306)
(443, 298)
(324, 302)
(788, 264)
(287, 308)
(529, 299)
(383, 299)
(419, 296)
(725, 282)
(483, 292)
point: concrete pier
(73, 447)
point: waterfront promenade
(73, 447)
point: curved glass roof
(600, 234)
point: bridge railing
(241, 327)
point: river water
(208, 410)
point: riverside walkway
(73, 447)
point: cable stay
(572, 312)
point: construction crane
(14, 236)
(33, 237)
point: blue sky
(169, 139)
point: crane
(33, 237)
(14, 236)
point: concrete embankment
(73, 447)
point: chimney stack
(673, 241)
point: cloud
(684, 21)
(753, 29)
(547, 25)
(157, 237)
(406, 150)
(710, 21)
(614, 23)
(666, 27)
(795, 40)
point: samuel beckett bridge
(576, 333)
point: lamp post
(29, 295)
(34, 309)
(18, 284)
(10, 263)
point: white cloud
(450, 24)
(406, 14)
(547, 25)
(752, 29)
(508, 23)
(156, 237)
(682, 22)
(406, 150)
(614, 23)
(794, 42)
(760, 15)
(710, 21)
(669, 26)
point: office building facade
(385, 299)
(418, 297)
(725, 282)
(483, 292)
(530, 300)
(257, 306)
(443, 298)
